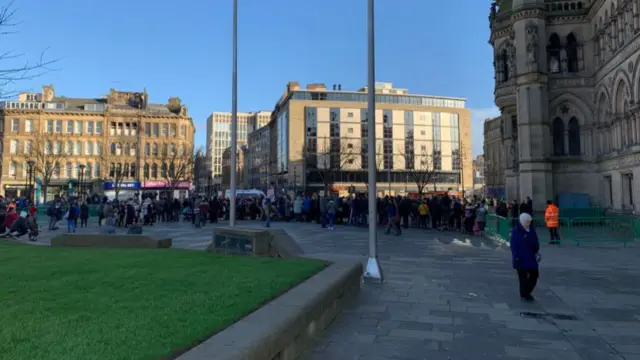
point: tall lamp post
(373, 271)
(31, 177)
(82, 167)
(234, 118)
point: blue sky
(184, 49)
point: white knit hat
(525, 217)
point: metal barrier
(620, 229)
(603, 229)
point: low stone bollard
(254, 242)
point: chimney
(174, 105)
(48, 93)
(339, 87)
(334, 87)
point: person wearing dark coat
(525, 255)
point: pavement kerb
(283, 328)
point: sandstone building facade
(119, 140)
(568, 87)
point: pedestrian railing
(600, 229)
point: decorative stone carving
(630, 67)
(533, 47)
(511, 53)
(554, 65)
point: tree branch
(13, 74)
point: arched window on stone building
(553, 52)
(558, 137)
(572, 53)
(504, 65)
(146, 171)
(574, 137)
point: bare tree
(15, 70)
(177, 166)
(117, 171)
(422, 169)
(47, 152)
(328, 158)
(379, 154)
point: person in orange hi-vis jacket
(551, 217)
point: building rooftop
(115, 101)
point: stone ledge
(284, 327)
(111, 241)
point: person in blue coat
(525, 255)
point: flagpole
(234, 120)
(373, 271)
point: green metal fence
(586, 229)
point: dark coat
(524, 247)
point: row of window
(118, 171)
(94, 127)
(154, 149)
(58, 147)
(70, 170)
(57, 126)
(415, 100)
(162, 130)
(32, 103)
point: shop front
(126, 190)
(14, 191)
(180, 190)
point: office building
(219, 136)
(318, 140)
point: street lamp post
(31, 175)
(373, 271)
(82, 167)
(234, 118)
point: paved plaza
(448, 297)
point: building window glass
(335, 151)
(558, 137)
(409, 141)
(437, 138)
(387, 136)
(282, 140)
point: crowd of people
(441, 212)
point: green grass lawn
(64, 303)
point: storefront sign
(15, 187)
(123, 185)
(163, 184)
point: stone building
(257, 158)
(494, 158)
(568, 88)
(240, 168)
(118, 141)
